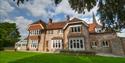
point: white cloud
(64, 7)
(121, 34)
(21, 23)
(37, 7)
(5, 7)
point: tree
(108, 10)
(8, 34)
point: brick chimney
(68, 17)
(50, 20)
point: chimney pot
(50, 20)
(68, 17)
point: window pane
(77, 44)
(79, 29)
(74, 43)
(59, 44)
(72, 29)
(81, 43)
(106, 43)
(75, 29)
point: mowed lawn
(32, 57)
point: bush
(1, 48)
(1, 45)
(78, 52)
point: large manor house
(72, 34)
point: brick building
(74, 34)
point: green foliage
(8, 34)
(30, 57)
(108, 10)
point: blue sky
(39, 9)
(34, 10)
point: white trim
(75, 25)
(79, 39)
(75, 22)
(36, 24)
(56, 43)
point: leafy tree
(108, 10)
(8, 34)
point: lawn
(32, 57)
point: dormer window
(75, 29)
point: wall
(49, 38)
(116, 44)
(99, 38)
(84, 31)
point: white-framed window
(105, 44)
(57, 44)
(76, 44)
(50, 31)
(60, 31)
(75, 29)
(94, 44)
(34, 43)
(98, 30)
(35, 32)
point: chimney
(68, 17)
(50, 20)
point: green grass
(30, 57)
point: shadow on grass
(52, 58)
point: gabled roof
(37, 25)
(75, 19)
(56, 25)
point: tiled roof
(56, 25)
(92, 27)
(37, 25)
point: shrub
(78, 52)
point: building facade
(74, 34)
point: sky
(34, 10)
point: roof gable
(75, 20)
(37, 25)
